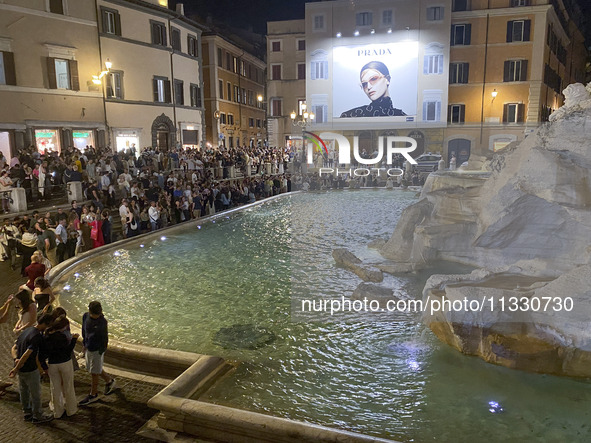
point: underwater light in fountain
(495, 407)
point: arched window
(433, 61)
(319, 65)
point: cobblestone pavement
(115, 418)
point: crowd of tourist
(127, 193)
(44, 346)
(141, 191)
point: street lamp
(262, 105)
(306, 117)
(96, 79)
(304, 120)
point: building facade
(154, 88)
(463, 76)
(234, 93)
(49, 53)
(510, 61)
(286, 79)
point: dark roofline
(168, 11)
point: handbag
(94, 232)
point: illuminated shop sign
(76, 134)
(44, 134)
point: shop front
(5, 145)
(127, 140)
(83, 138)
(294, 142)
(190, 137)
(47, 140)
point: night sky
(245, 13)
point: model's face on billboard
(374, 84)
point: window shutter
(451, 36)
(118, 90)
(523, 75)
(437, 111)
(110, 86)
(520, 111)
(509, 31)
(155, 87)
(452, 73)
(51, 73)
(74, 81)
(104, 20)
(468, 32)
(154, 33)
(426, 64)
(9, 69)
(449, 113)
(312, 71)
(167, 98)
(466, 71)
(506, 71)
(163, 32)
(440, 64)
(505, 113)
(117, 24)
(526, 30)
(325, 69)
(462, 113)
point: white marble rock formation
(530, 213)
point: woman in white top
(41, 185)
(5, 184)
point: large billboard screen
(375, 82)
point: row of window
(555, 45)
(513, 71)
(162, 92)
(61, 73)
(237, 94)
(517, 31)
(277, 71)
(239, 66)
(111, 24)
(462, 5)
(366, 18)
(512, 113)
(228, 119)
(277, 45)
(552, 79)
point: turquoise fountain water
(226, 288)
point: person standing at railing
(5, 186)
